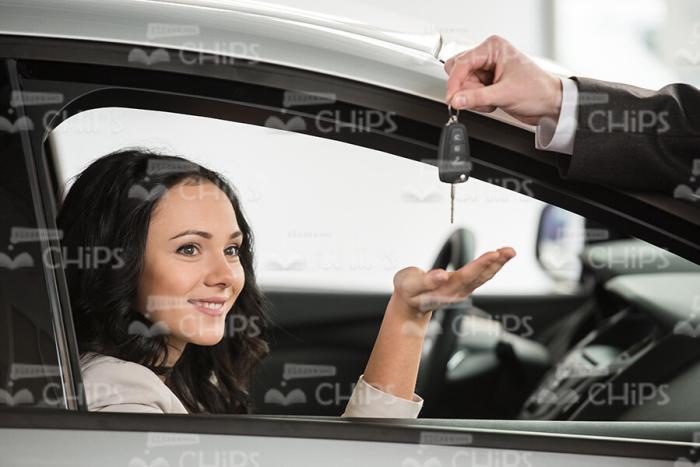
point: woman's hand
(426, 291)
(393, 364)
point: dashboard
(642, 362)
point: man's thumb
(487, 96)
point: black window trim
(45, 213)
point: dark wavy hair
(110, 205)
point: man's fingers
(466, 64)
(486, 97)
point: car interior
(626, 335)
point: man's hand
(496, 74)
(426, 291)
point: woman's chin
(210, 338)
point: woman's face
(192, 274)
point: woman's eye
(233, 250)
(187, 250)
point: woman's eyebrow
(204, 234)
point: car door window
(327, 215)
(331, 217)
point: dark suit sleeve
(634, 138)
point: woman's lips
(211, 308)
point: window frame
(44, 205)
(502, 150)
(498, 149)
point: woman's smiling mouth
(213, 306)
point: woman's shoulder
(115, 385)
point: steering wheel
(441, 338)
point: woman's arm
(393, 364)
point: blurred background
(649, 43)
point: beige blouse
(115, 385)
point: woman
(154, 320)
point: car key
(454, 160)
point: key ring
(453, 117)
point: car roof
(405, 60)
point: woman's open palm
(426, 291)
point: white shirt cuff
(368, 401)
(559, 137)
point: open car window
(326, 215)
(333, 223)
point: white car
(328, 128)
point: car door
(169, 439)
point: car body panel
(345, 51)
(175, 449)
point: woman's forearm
(393, 364)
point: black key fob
(454, 159)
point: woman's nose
(220, 273)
